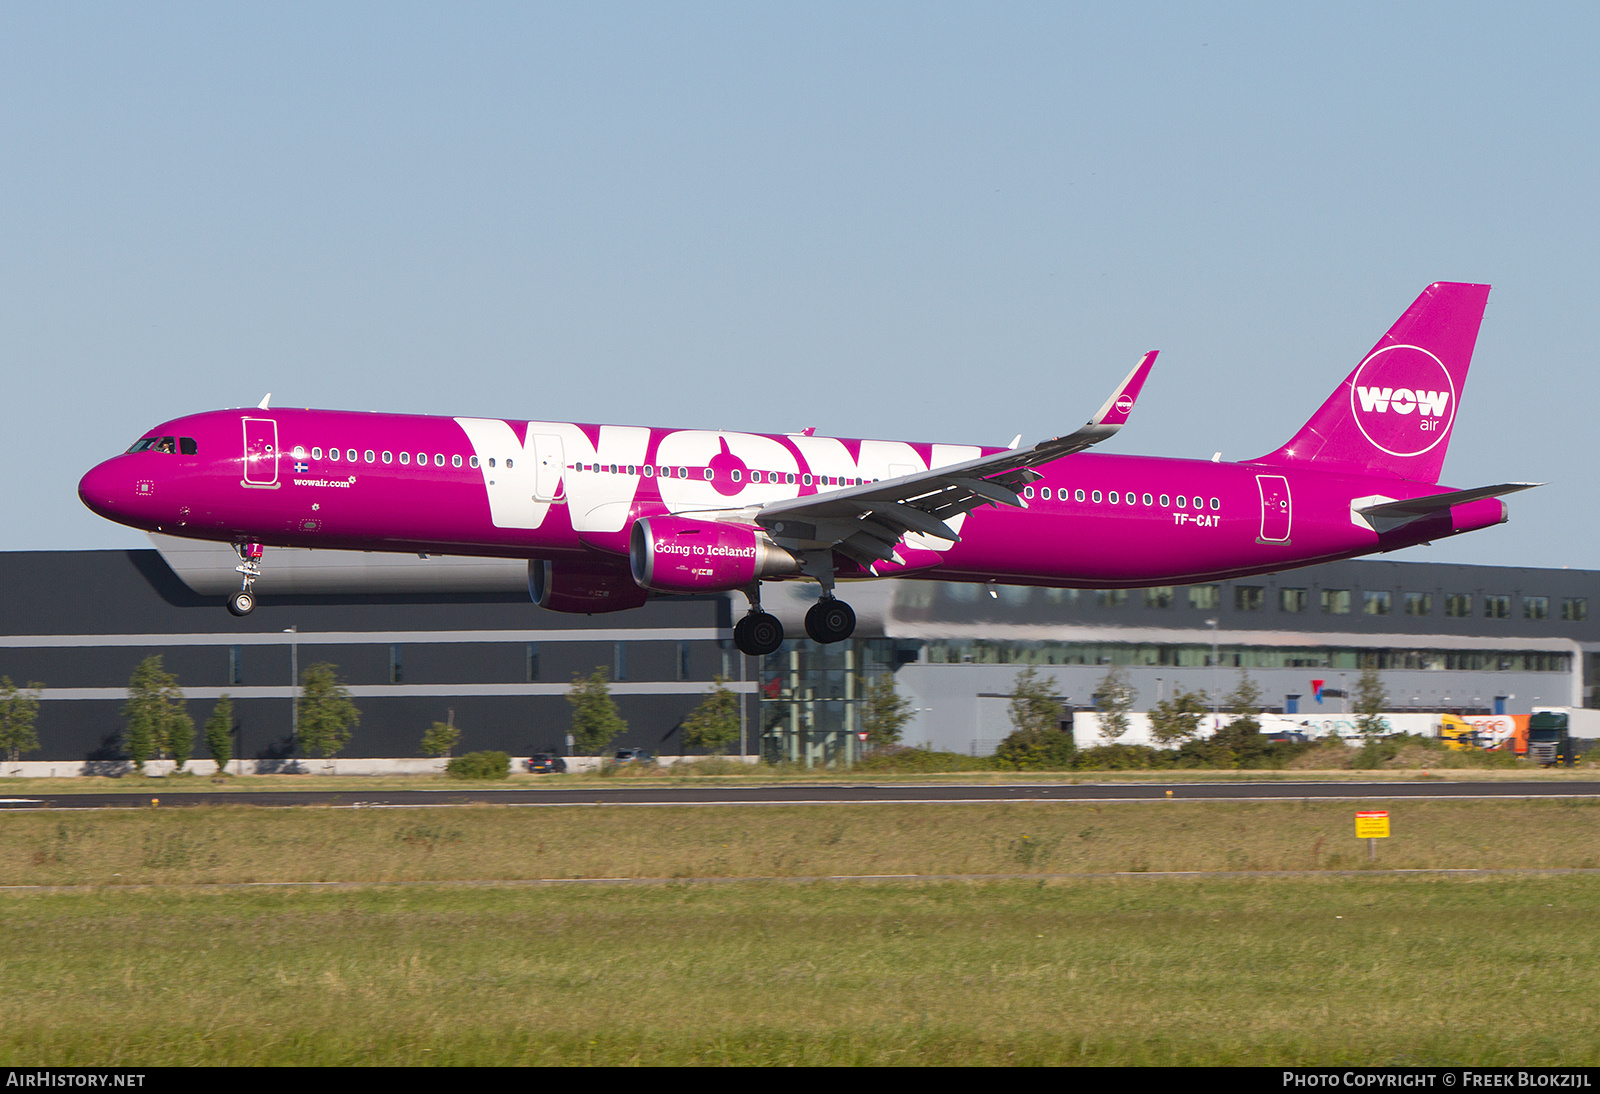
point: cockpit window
(170, 445)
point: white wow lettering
(1403, 400)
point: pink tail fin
(1394, 413)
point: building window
(1458, 605)
(1375, 603)
(1419, 603)
(1575, 609)
(1336, 601)
(619, 661)
(1497, 607)
(1248, 598)
(683, 660)
(235, 665)
(1159, 597)
(1111, 598)
(1292, 600)
(397, 670)
(1206, 598)
(1536, 607)
(533, 662)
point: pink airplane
(609, 515)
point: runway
(818, 794)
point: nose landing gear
(243, 602)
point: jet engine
(679, 555)
(582, 586)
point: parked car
(633, 756)
(546, 763)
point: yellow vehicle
(1459, 735)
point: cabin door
(1275, 508)
(260, 452)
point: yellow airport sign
(1372, 824)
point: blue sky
(924, 221)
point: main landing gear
(243, 602)
(759, 633)
(830, 620)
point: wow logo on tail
(1403, 400)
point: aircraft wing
(867, 522)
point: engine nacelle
(584, 587)
(679, 555)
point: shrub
(895, 758)
(480, 765)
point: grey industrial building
(416, 639)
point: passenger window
(350, 454)
(1216, 503)
(1096, 496)
(708, 474)
(1148, 500)
(735, 474)
(1165, 501)
(405, 459)
(370, 455)
(1027, 491)
(388, 457)
(1044, 492)
(1183, 503)
(333, 454)
(1112, 497)
(455, 461)
(649, 471)
(1077, 495)
(789, 478)
(316, 453)
(805, 480)
(508, 461)
(438, 459)
(473, 462)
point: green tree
(19, 710)
(442, 738)
(219, 733)
(1113, 698)
(327, 716)
(1244, 703)
(885, 712)
(158, 725)
(1238, 743)
(595, 719)
(1037, 742)
(1371, 699)
(1176, 720)
(714, 724)
(1034, 707)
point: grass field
(143, 966)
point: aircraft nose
(102, 488)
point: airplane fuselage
(554, 490)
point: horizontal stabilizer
(1389, 515)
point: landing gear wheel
(830, 620)
(758, 634)
(241, 604)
